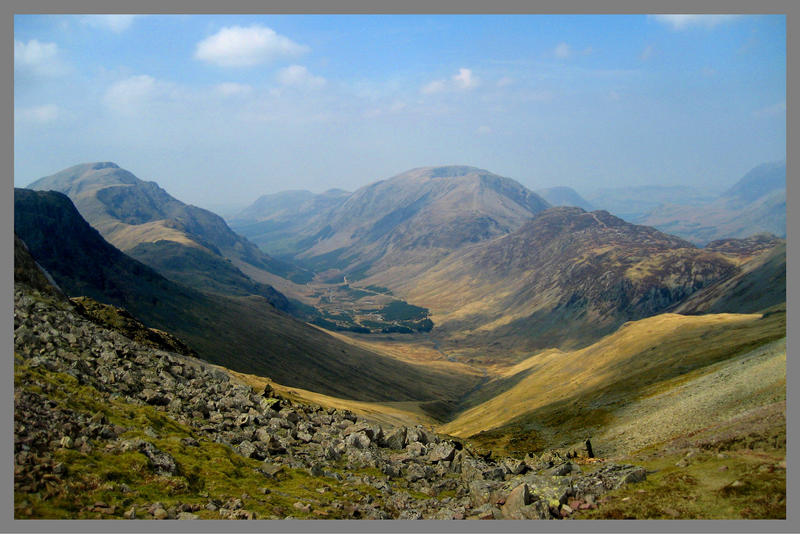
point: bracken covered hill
(564, 279)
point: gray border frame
(11, 7)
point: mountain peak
(454, 171)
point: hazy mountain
(564, 196)
(277, 222)
(408, 222)
(756, 203)
(633, 202)
(246, 334)
(564, 278)
(143, 220)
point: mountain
(408, 222)
(186, 243)
(634, 202)
(247, 333)
(276, 222)
(564, 196)
(756, 203)
(563, 279)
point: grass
(735, 471)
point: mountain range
(469, 268)
(756, 203)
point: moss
(739, 484)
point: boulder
(444, 451)
(396, 439)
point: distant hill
(277, 222)
(564, 196)
(408, 222)
(246, 334)
(756, 203)
(143, 220)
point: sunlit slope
(564, 394)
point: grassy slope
(564, 397)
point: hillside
(564, 279)
(756, 203)
(138, 217)
(105, 427)
(246, 334)
(760, 284)
(558, 398)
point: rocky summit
(108, 427)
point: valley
(447, 297)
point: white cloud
(299, 76)
(38, 114)
(41, 59)
(562, 51)
(504, 81)
(464, 79)
(681, 22)
(131, 93)
(115, 23)
(236, 46)
(774, 110)
(436, 86)
(233, 89)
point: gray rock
(270, 469)
(416, 448)
(359, 440)
(396, 439)
(514, 466)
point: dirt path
(725, 390)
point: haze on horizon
(222, 109)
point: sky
(219, 110)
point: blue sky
(221, 109)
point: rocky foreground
(111, 428)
